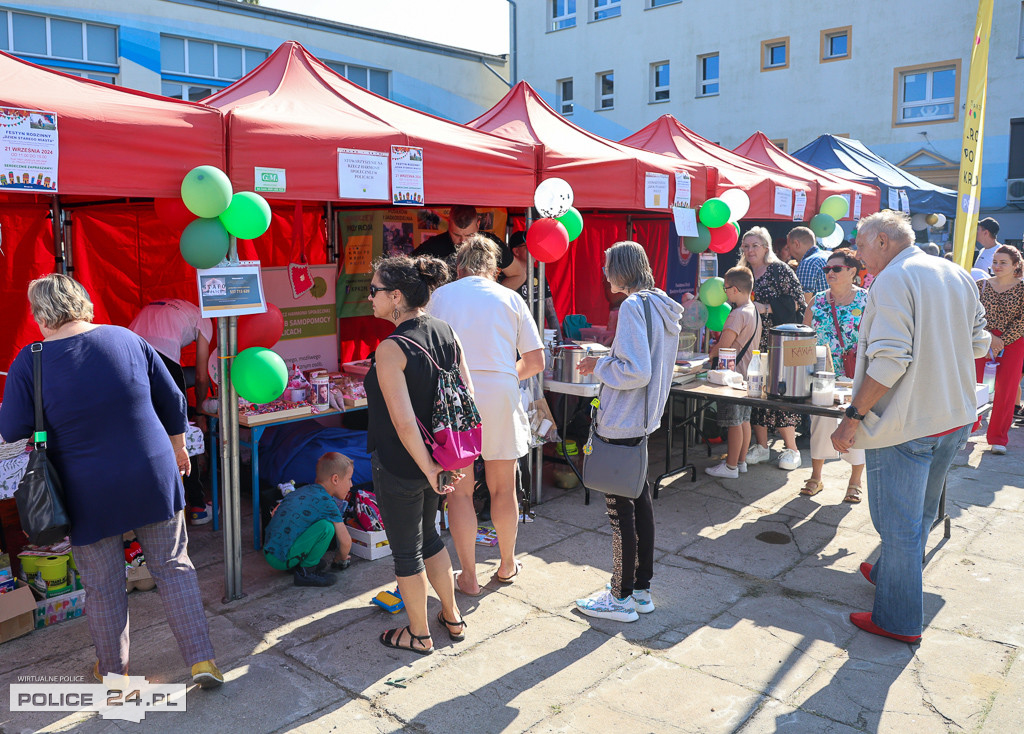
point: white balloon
(941, 223)
(918, 221)
(978, 274)
(738, 202)
(695, 315)
(833, 240)
(553, 197)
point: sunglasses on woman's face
(375, 289)
(834, 268)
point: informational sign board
(231, 290)
(310, 338)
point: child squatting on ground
(742, 332)
(308, 524)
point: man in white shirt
(988, 230)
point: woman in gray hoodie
(637, 370)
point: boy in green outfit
(306, 523)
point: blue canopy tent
(851, 159)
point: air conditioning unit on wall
(1014, 190)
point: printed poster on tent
(406, 175)
(310, 336)
(28, 150)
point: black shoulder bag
(40, 497)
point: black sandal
(390, 637)
(448, 626)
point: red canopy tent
(669, 136)
(112, 142)
(604, 175)
(759, 148)
(294, 112)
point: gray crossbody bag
(618, 469)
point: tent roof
(603, 174)
(669, 136)
(294, 112)
(851, 159)
(114, 141)
(759, 148)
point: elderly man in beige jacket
(913, 406)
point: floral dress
(777, 281)
(849, 324)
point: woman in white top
(502, 347)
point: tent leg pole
(60, 254)
(228, 418)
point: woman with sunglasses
(835, 315)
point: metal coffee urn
(791, 362)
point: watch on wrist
(852, 413)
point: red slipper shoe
(865, 571)
(863, 620)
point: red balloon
(173, 213)
(724, 238)
(547, 240)
(260, 329)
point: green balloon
(714, 213)
(259, 375)
(572, 220)
(823, 225)
(206, 191)
(247, 216)
(712, 292)
(835, 206)
(204, 243)
(717, 316)
(699, 243)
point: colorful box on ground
(59, 608)
(369, 545)
(17, 612)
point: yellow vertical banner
(969, 185)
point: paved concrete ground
(747, 637)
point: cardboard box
(369, 545)
(59, 608)
(17, 612)
(138, 577)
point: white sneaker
(643, 601)
(789, 459)
(606, 606)
(757, 453)
(722, 471)
(999, 450)
(742, 467)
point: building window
(218, 63)
(926, 93)
(1016, 167)
(606, 9)
(564, 87)
(775, 54)
(835, 43)
(659, 82)
(780, 143)
(65, 44)
(377, 81)
(1020, 36)
(606, 90)
(563, 14)
(659, 3)
(187, 92)
(707, 75)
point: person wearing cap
(988, 231)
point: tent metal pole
(60, 254)
(228, 418)
(332, 234)
(537, 304)
(235, 522)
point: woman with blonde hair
(494, 325)
(778, 297)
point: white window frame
(899, 106)
(702, 82)
(560, 99)
(766, 53)
(655, 88)
(605, 9)
(652, 4)
(565, 17)
(345, 70)
(600, 96)
(826, 41)
(206, 80)
(114, 67)
(1020, 34)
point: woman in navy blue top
(115, 424)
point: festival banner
(967, 192)
(28, 151)
(681, 273)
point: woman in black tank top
(400, 388)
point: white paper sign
(904, 202)
(856, 206)
(656, 190)
(894, 199)
(799, 206)
(406, 175)
(783, 201)
(682, 189)
(849, 209)
(685, 220)
(231, 289)
(269, 179)
(362, 174)
(28, 151)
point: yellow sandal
(812, 487)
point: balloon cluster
(717, 228)
(922, 221)
(712, 295)
(548, 238)
(206, 194)
(825, 223)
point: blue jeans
(904, 485)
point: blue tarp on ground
(291, 452)
(851, 159)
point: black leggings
(408, 508)
(194, 494)
(632, 542)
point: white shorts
(506, 429)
